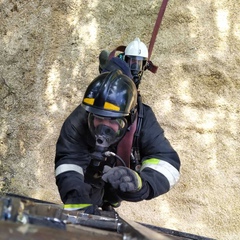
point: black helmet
(111, 94)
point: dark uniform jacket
(78, 181)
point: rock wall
(49, 54)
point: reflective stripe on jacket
(166, 169)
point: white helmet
(136, 48)
(136, 56)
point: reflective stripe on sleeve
(71, 207)
(163, 167)
(68, 167)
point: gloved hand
(93, 209)
(122, 178)
(87, 208)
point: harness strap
(138, 129)
(156, 27)
(151, 67)
(119, 48)
(125, 145)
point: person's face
(107, 122)
(111, 130)
(135, 63)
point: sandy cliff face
(48, 55)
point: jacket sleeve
(72, 158)
(160, 162)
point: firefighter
(89, 172)
(135, 55)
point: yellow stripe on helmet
(110, 106)
(89, 101)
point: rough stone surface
(49, 54)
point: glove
(93, 209)
(122, 178)
(87, 208)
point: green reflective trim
(115, 204)
(151, 161)
(169, 171)
(139, 182)
(76, 206)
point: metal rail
(35, 219)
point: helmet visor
(136, 64)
